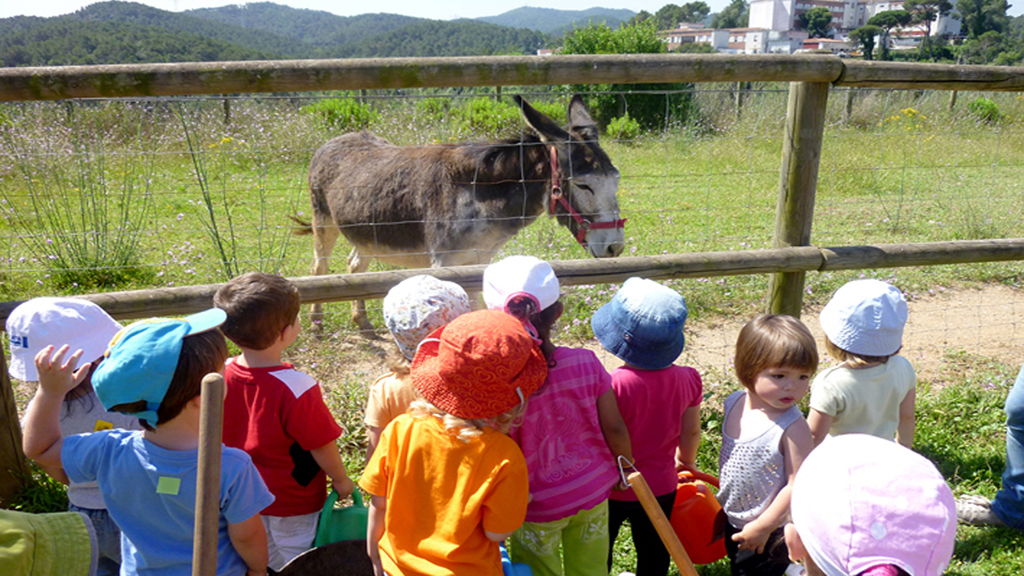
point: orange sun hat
(479, 366)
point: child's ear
(561, 309)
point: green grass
(887, 175)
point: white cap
(42, 322)
(866, 317)
(520, 276)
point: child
(153, 370)
(570, 435)
(660, 403)
(872, 390)
(413, 308)
(43, 322)
(276, 413)
(446, 483)
(764, 440)
(863, 506)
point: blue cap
(142, 358)
(643, 324)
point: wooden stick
(662, 525)
(211, 423)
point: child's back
(659, 402)
(413, 308)
(276, 413)
(81, 325)
(154, 370)
(872, 390)
(446, 484)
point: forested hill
(313, 27)
(549, 20)
(127, 32)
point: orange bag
(693, 517)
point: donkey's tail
(303, 227)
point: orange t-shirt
(442, 494)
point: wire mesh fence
(102, 195)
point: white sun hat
(866, 317)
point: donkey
(453, 205)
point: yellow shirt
(442, 494)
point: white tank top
(751, 469)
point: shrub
(624, 128)
(554, 110)
(489, 116)
(435, 109)
(984, 110)
(342, 113)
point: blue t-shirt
(151, 493)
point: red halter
(584, 225)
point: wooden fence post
(801, 156)
(13, 466)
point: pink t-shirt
(652, 403)
(571, 467)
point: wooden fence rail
(143, 80)
(339, 287)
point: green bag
(342, 523)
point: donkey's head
(584, 181)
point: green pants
(581, 539)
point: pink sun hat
(860, 502)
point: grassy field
(168, 194)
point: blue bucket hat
(142, 358)
(643, 324)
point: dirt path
(988, 321)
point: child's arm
(908, 420)
(796, 444)
(375, 531)
(819, 424)
(250, 541)
(42, 440)
(372, 439)
(614, 427)
(689, 440)
(328, 457)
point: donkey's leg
(357, 264)
(325, 236)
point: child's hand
(57, 376)
(344, 486)
(687, 467)
(753, 537)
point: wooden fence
(810, 75)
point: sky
(435, 9)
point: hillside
(128, 32)
(313, 27)
(438, 38)
(66, 42)
(549, 20)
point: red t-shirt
(277, 415)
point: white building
(783, 15)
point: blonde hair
(773, 341)
(464, 428)
(852, 360)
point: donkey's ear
(580, 121)
(547, 128)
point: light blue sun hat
(143, 357)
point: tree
(735, 15)
(669, 17)
(865, 38)
(887, 21)
(695, 12)
(653, 111)
(927, 11)
(981, 16)
(638, 18)
(817, 21)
